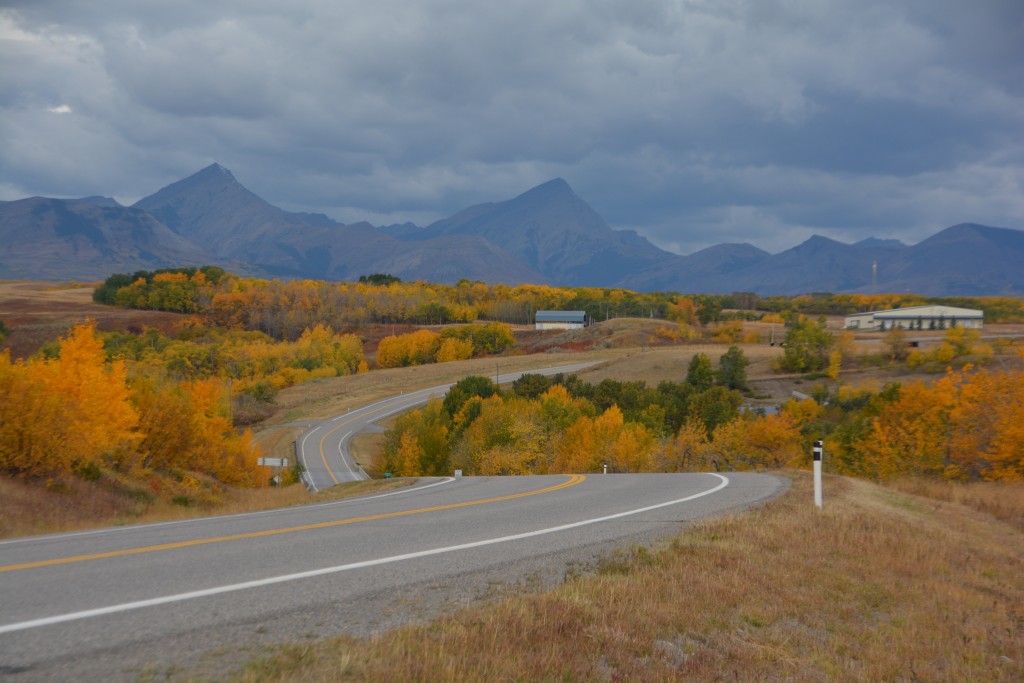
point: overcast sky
(693, 122)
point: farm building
(916, 318)
(561, 320)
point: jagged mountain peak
(554, 188)
(97, 200)
(879, 243)
(215, 170)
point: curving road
(205, 594)
(323, 450)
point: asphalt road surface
(323, 450)
(203, 595)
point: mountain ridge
(545, 235)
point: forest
(966, 425)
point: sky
(693, 122)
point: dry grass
(881, 586)
(38, 313)
(1004, 500)
(72, 504)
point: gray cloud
(692, 122)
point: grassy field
(883, 585)
(40, 312)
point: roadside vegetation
(880, 586)
(910, 573)
(158, 415)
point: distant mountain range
(547, 235)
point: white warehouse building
(560, 320)
(916, 318)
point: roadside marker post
(817, 472)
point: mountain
(965, 259)
(693, 273)
(554, 232)
(546, 235)
(213, 209)
(84, 239)
(819, 264)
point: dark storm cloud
(694, 122)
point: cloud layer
(694, 122)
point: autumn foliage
(80, 413)
(968, 425)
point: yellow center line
(572, 481)
(347, 422)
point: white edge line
(431, 391)
(259, 583)
(217, 518)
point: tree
(895, 343)
(408, 457)
(700, 373)
(379, 279)
(689, 451)
(714, 407)
(808, 345)
(709, 311)
(465, 389)
(732, 369)
(454, 349)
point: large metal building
(560, 320)
(916, 318)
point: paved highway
(323, 450)
(118, 603)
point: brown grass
(1007, 506)
(38, 313)
(72, 504)
(881, 586)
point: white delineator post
(817, 472)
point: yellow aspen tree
(32, 429)
(408, 456)
(835, 363)
(689, 451)
(633, 449)
(452, 349)
(910, 435)
(97, 410)
(575, 448)
(607, 427)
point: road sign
(272, 462)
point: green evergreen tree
(700, 374)
(732, 369)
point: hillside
(553, 231)
(84, 239)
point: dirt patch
(37, 313)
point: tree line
(968, 425)
(283, 309)
(79, 413)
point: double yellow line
(323, 456)
(572, 481)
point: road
(206, 594)
(324, 452)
